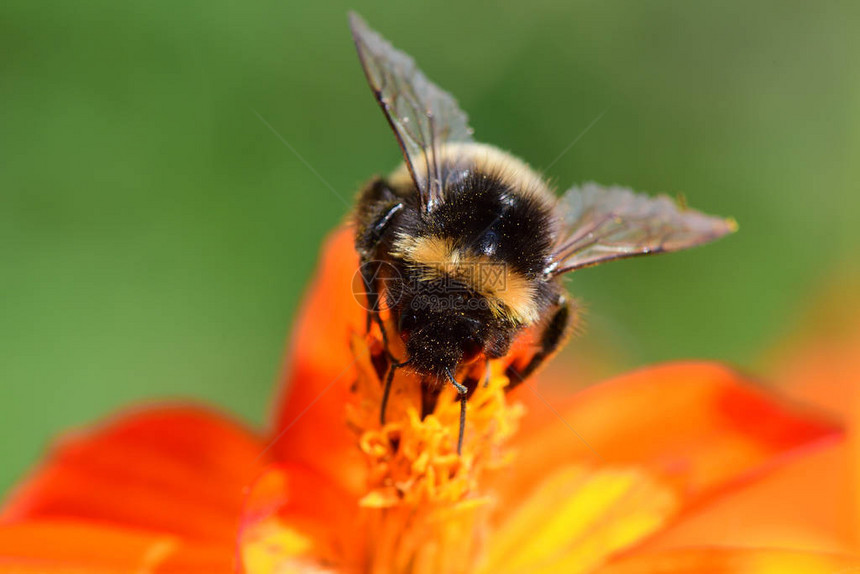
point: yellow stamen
(424, 506)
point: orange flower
(613, 480)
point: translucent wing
(606, 223)
(423, 116)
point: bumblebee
(464, 245)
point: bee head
(443, 333)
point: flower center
(423, 503)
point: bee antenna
(461, 390)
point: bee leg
(367, 243)
(386, 389)
(553, 335)
(462, 390)
(378, 205)
(369, 279)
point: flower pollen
(419, 488)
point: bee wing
(423, 116)
(607, 223)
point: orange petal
(733, 561)
(821, 365)
(70, 547)
(697, 425)
(577, 517)
(294, 517)
(179, 470)
(310, 425)
(804, 505)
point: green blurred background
(155, 235)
